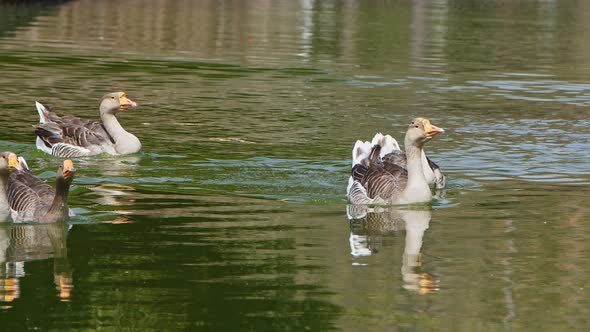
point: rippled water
(234, 216)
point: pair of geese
(381, 172)
(26, 197)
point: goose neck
(3, 188)
(417, 189)
(59, 206)
(414, 161)
(112, 126)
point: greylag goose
(380, 176)
(392, 154)
(69, 136)
(31, 199)
(8, 162)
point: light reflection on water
(234, 215)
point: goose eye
(112, 97)
(416, 126)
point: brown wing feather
(26, 192)
(380, 177)
(358, 172)
(379, 183)
(72, 130)
(84, 136)
(397, 158)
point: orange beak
(126, 103)
(12, 160)
(68, 169)
(431, 130)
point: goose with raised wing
(31, 199)
(70, 136)
(382, 174)
(8, 163)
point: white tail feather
(360, 151)
(22, 164)
(388, 144)
(41, 110)
(377, 139)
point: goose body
(70, 136)
(383, 174)
(31, 199)
(391, 154)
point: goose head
(66, 171)
(8, 161)
(115, 102)
(421, 131)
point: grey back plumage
(28, 196)
(70, 136)
(379, 177)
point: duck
(70, 136)
(31, 199)
(8, 163)
(382, 174)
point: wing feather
(26, 193)
(70, 130)
(64, 150)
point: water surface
(234, 217)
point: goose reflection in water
(368, 227)
(21, 243)
(113, 193)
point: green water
(234, 216)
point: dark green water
(234, 216)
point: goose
(69, 136)
(392, 154)
(31, 199)
(8, 163)
(380, 175)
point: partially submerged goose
(31, 199)
(8, 163)
(69, 136)
(381, 173)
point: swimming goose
(8, 162)
(379, 174)
(69, 136)
(392, 154)
(31, 199)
